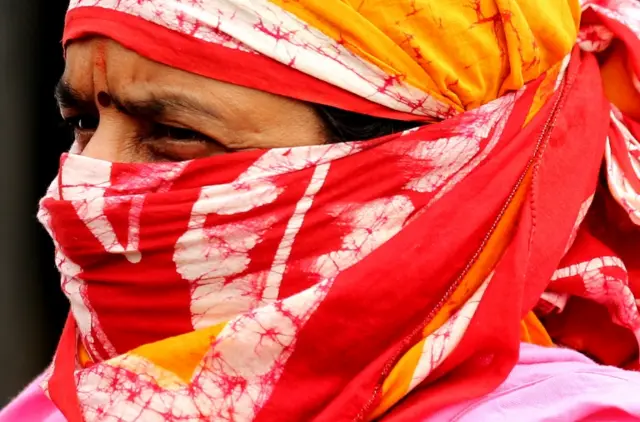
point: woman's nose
(104, 144)
(108, 142)
(113, 138)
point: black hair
(345, 126)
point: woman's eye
(171, 143)
(181, 134)
(82, 123)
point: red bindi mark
(103, 99)
(100, 61)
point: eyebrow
(153, 107)
(67, 97)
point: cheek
(303, 127)
(296, 134)
(289, 130)
(256, 119)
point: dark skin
(126, 108)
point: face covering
(157, 250)
(320, 282)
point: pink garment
(550, 385)
(554, 385)
(31, 406)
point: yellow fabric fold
(499, 44)
(397, 384)
(618, 86)
(532, 331)
(181, 354)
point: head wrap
(289, 285)
(395, 54)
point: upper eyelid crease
(160, 107)
(150, 109)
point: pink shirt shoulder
(546, 385)
(554, 385)
(31, 405)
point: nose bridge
(107, 141)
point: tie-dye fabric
(379, 279)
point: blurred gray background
(32, 309)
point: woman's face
(126, 108)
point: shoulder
(552, 384)
(31, 405)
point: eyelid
(74, 121)
(163, 130)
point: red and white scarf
(304, 283)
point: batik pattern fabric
(357, 281)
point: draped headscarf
(356, 281)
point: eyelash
(161, 131)
(158, 130)
(75, 122)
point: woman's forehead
(100, 64)
(97, 60)
(104, 62)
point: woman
(231, 251)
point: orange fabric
(545, 91)
(397, 384)
(83, 356)
(500, 44)
(191, 347)
(532, 331)
(616, 77)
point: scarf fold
(357, 281)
